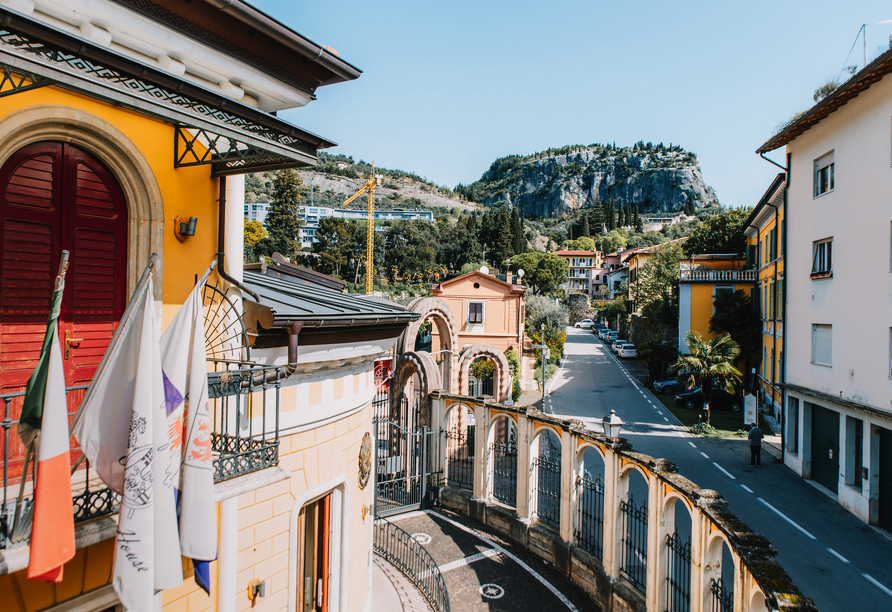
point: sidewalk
(393, 591)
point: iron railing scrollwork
(722, 599)
(504, 461)
(678, 574)
(410, 557)
(590, 520)
(547, 474)
(634, 549)
(244, 406)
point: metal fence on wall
(413, 560)
(547, 476)
(634, 551)
(590, 522)
(460, 458)
(678, 574)
(504, 482)
(722, 599)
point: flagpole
(125, 318)
(20, 523)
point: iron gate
(403, 477)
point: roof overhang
(211, 129)
(846, 92)
(765, 208)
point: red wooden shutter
(54, 196)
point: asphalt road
(834, 558)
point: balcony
(718, 276)
(243, 402)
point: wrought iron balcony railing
(244, 406)
(718, 275)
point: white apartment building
(837, 370)
(311, 215)
(256, 211)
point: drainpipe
(221, 245)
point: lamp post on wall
(543, 349)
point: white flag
(123, 432)
(184, 361)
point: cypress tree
(504, 247)
(639, 226)
(621, 216)
(519, 240)
(283, 220)
(585, 228)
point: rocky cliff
(557, 182)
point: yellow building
(701, 278)
(125, 131)
(634, 260)
(765, 255)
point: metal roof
(318, 306)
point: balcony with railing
(718, 276)
(243, 400)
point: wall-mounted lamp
(183, 227)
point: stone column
(482, 471)
(524, 437)
(655, 539)
(568, 484)
(613, 494)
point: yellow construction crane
(370, 184)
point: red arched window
(55, 196)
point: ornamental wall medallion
(365, 460)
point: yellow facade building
(126, 129)
(765, 255)
(701, 278)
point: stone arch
(673, 496)
(120, 155)
(502, 374)
(440, 314)
(422, 364)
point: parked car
(584, 324)
(614, 346)
(668, 386)
(600, 326)
(604, 333)
(610, 336)
(720, 400)
(627, 351)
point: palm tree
(710, 365)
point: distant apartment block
(312, 215)
(585, 271)
(256, 211)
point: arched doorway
(435, 333)
(55, 196)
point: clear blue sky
(448, 87)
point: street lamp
(543, 349)
(612, 424)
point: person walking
(755, 436)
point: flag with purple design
(189, 428)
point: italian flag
(45, 409)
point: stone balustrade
(623, 565)
(718, 276)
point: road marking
(486, 554)
(650, 402)
(659, 413)
(781, 514)
(727, 473)
(692, 444)
(837, 555)
(526, 567)
(746, 488)
(704, 454)
(665, 419)
(877, 583)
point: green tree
(254, 233)
(282, 220)
(543, 272)
(722, 233)
(636, 220)
(518, 240)
(656, 289)
(735, 315)
(335, 244)
(586, 230)
(709, 365)
(580, 244)
(504, 244)
(612, 242)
